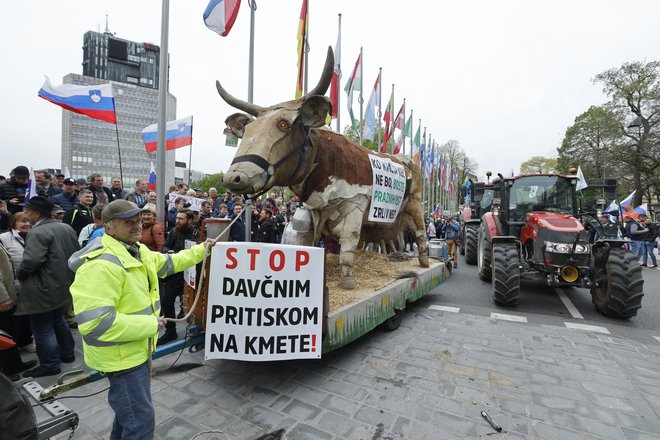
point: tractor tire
(618, 285)
(484, 255)
(471, 233)
(506, 274)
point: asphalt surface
(430, 379)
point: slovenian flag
(178, 134)
(220, 15)
(152, 178)
(94, 101)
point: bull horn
(326, 76)
(252, 109)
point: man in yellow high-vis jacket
(115, 298)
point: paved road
(427, 380)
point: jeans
(636, 248)
(647, 249)
(130, 399)
(52, 338)
(173, 288)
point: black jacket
(10, 189)
(267, 232)
(107, 192)
(78, 218)
(176, 241)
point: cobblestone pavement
(430, 379)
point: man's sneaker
(41, 372)
(30, 348)
(642, 265)
(168, 336)
(69, 360)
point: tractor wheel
(484, 250)
(506, 274)
(471, 233)
(617, 289)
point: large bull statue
(287, 145)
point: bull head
(275, 149)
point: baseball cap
(119, 209)
(81, 181)
(21, 171)
(69, 181)
(57, 209)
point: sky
(504, 78)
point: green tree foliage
(539, 165)
(353, 133)
(211, 181)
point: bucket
(437, 248)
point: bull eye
(283, 125)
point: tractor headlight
(565, 248)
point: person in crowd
(237, 231)
(198, 193)
(139, 196)
(11, 363)
(81, 215)
(67, 199)
(59, 180)
(213, 196)
(649, 243)
(176, 242)
(102, 195)
(153, 232)
(57, 213)
(254, 228)
(86, 232)
(111, 284)
(3, 179)
(45, 281)
(430, 229)
(81, 184)
(281, 219)
(205, 212)
(182, 189)
(117, 189)
(223, 211)
(13, 190)
(173, 211)
(13, 241)
(452, 230)
(267, 227)
(229, 201)
(151, 201)
(45, 185)
(98, 230)
(635, 231)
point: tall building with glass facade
(89, 145)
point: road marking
(575, 313)
(444, 308)
(513, 318)
(657, 338)
(585, 327)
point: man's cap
(40, 204)
(81, 181)
(69, 181)
(57, 209)
(119, 209)
(59, 175)
(21, 171)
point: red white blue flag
(152, 178)
(31, 190)
(178, 134)
(94, 101)
(220, 15)
(627, 202)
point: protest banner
(388, 189)
(265, 302)
(194, 202)
(190, 274)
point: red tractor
(534, 230)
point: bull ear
(314, 110)
(237, 123)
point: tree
(352, 133)
(211, 181)
(634, 88)
(539, 165)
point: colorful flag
(400, 121)
(627, 202)
(354, 83)
(399, 143)
(220, 15)
(387, 118)
(369, 129)
(582, 182)
(408, 128)
(614, 207)
(422, 152)
(152, 178)
(31, 190)
(178, 134)
(302, 47)
(415, 146)
(336, 75)
(430, 157)
(635, 213)
(94, 101)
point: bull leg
(348, 231)
(417, 225)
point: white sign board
(190, 274)
(195, 203)
(265, 302)
(388, 189)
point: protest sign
(265, 302)
(388, 189)
(195, 203)
(190, 274)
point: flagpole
(339, 78)
(404, 127)
(411, 134)
(253, 7)
(380, 101)
(190, 166)
(121, 174)
(162, 112)
(306, 48)
(360, 98)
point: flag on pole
(302, 43)
(399, 143)
(582, 182)
(152, 178)
(415, 146)
(220, 15)
(627, 202)
(369, 129)
(408, 128)
(400, 121)
(67, 174)
(422, 151)
(354, 83)
(635, 213)
(178, 134)
(430, 161)
(31, 190)
(614, 207)
(336, 76)
(389, 111)
(94, 101)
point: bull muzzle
(244, 178)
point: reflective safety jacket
(115, 298)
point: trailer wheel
(617, 289)
(394, 322)
(471, 232)
(484, 250)
(506, 274)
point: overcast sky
(504, 78)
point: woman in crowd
(153, 233)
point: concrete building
(89, 145)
